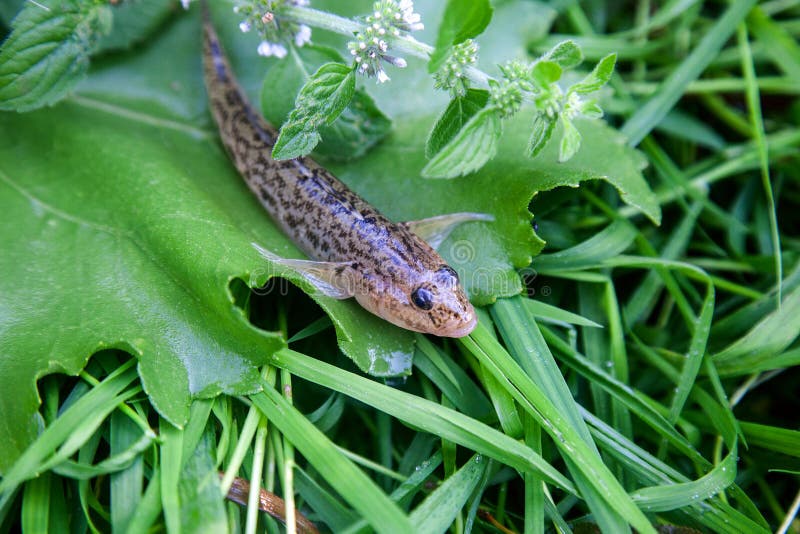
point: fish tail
(217, 69)
(235, 117)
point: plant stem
(766, 84)
(348, 27)
(288, 462)
(254, 495)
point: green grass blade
(408, 489)
(646, 294)
(193, 431)
(769, 337)
(772, 438)
(424, 415)
(54, 436)
(437, 512)
(327, 506)
(202, 509)
(35, 514)
(548, 312)
(126, 485)
(454, 382)
(781, 45)
(632, 400)
(587, 464)
(86, 498)
(533, 355)
(329, 413)
(504, 405)
(714, 514)
(673, 88)
(534, 489)
(323, 323)
(597, 343)
(757, 120)
(351, 483)
(149, 507)
(695, 354)
(118, 462)
(171, 448)
(663, 498)
(414, 483)
(606, 244)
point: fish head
(431, 301)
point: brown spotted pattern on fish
(390, 271)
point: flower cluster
(450, 76)
(389, 18)
(275, 33)
(506, 96)
(518, 73)
(550, 102)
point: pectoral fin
(434, 230)
(332, 279)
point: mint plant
(459, 143)
(379, 38)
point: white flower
(279, 51)
(185, 3)
(370, 47)
(268, 49)
(244, 26)
(411, 20)
(396, 61)
(303, 35)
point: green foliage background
(125, 231)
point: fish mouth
(460, 330)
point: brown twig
(486, 516)
(270, 503)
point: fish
(391, 269)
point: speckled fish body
(390, 271)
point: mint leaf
(543, 127)
(545, 72)
(327, 92)
(284, 79)
(48, 50)
(598, 77)
(566, 54)
(570, 140)
(359, 126)
(357, 129)
(320, 101)
(296, 139)
(463, 19)
(591, 109)
(458, 112)
(474, 145)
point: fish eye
(422, 298)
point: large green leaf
(133, 22)
(123, 224)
